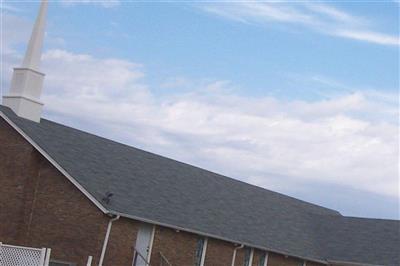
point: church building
(83, 195)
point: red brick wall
(178, 247)
(121, 242)
(18, 162)
(239, 257)
(281, 260)
(42, 208)
(219, 253)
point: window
(201, 248)
(248, 256)
(263, 259)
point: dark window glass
(199, 251)
(247, 253)
(262, 259)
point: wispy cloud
(369, 36)
(330, 141)
(10, 8)
(323, 18)
(336, 140)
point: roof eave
(216, 237)
(349, 263)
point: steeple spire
(34, 51)
(27, 81)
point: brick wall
(219, 253)
(42, 208)
(239, 257)
(281, 260)
(121, 242)
(178, 247)
(18, 162)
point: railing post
(137, 254)
(164, 260)
(47, 259)
(89, 261)
(42, 256)
(134, 258)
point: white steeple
(27, 81)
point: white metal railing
(23, 256)
(136, 256)
(164, 261)
(89, 261)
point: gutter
(103, 251)
(266, 249)
(234, 253)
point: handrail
(135, 256)
(164, 259)
(19, 247)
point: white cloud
(6, 7)
(331, 141)
(319, 17)
(350, 139)
(369, 36)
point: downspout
(266, 259)
(103, 251)
(234, 253)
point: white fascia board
(54, 163)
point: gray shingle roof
(166, 191)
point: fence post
(47, 260)
(89, 261)
(42, 256)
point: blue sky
(297, 97)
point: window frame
(201, 252)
